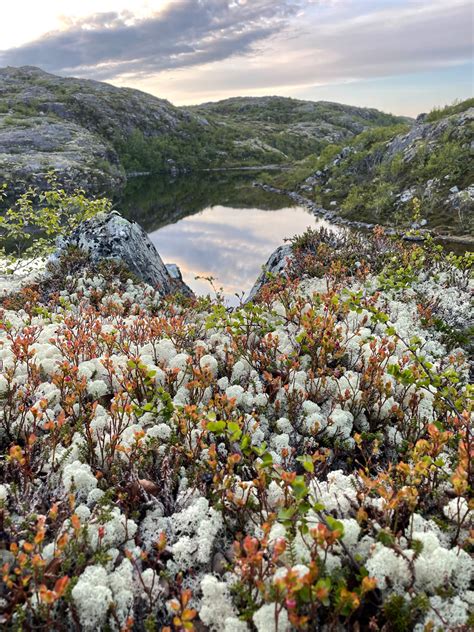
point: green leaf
(299, 487)
(335, 525)
(267, 459)
(217, 427)
(234, 429)
(286, 513)
(385, 537)
(307, 462)
(245, 442)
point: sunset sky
(403, 56)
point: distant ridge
(93, 133)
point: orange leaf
(75, 521)
(47, 596)
(61, 418)
(185, 596)
(189, 615)
(63, 540)
(61, 585)
(368, 584)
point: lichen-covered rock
(111, 236)
(74, 126)
(276, 264)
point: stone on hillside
(276, 265)
(174, 271)
(111, 236)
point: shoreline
(335, 218)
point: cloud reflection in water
(230, 244)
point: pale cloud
(191, 51)
(340, 48)
(183, 33)
(23, 21)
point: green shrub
(29, 228)
(455, 108)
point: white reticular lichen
(92, 597)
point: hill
(93, 133)
(393, 175)
(291, 126)
(79, 127)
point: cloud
(183, 34)
(344, 43)
(239, 242)
(192, 51)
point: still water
(214, 226)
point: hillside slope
(92, 133)
(291, 127)
(377, 174)
(79, 127)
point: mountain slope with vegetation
(94, 133)
(291, 126)
(394, 175)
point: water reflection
(228, 244)
(214, 225)
(157, 201)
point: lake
(214, 225)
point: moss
(402, 614)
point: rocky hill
(291, 126)
(78, 127)
(393, 175)
(322, 120)
(93, 133)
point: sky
(401, 56)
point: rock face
(111, 236)
(276, 264)
(28, 152)
(408, 145)
(75, 126)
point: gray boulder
(276, 265)
(111, 236)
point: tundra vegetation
(301, 462)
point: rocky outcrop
(75, 126)
(275, 265)
(428, 133)
(80, 158)
(377, 178)
(111, 236)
